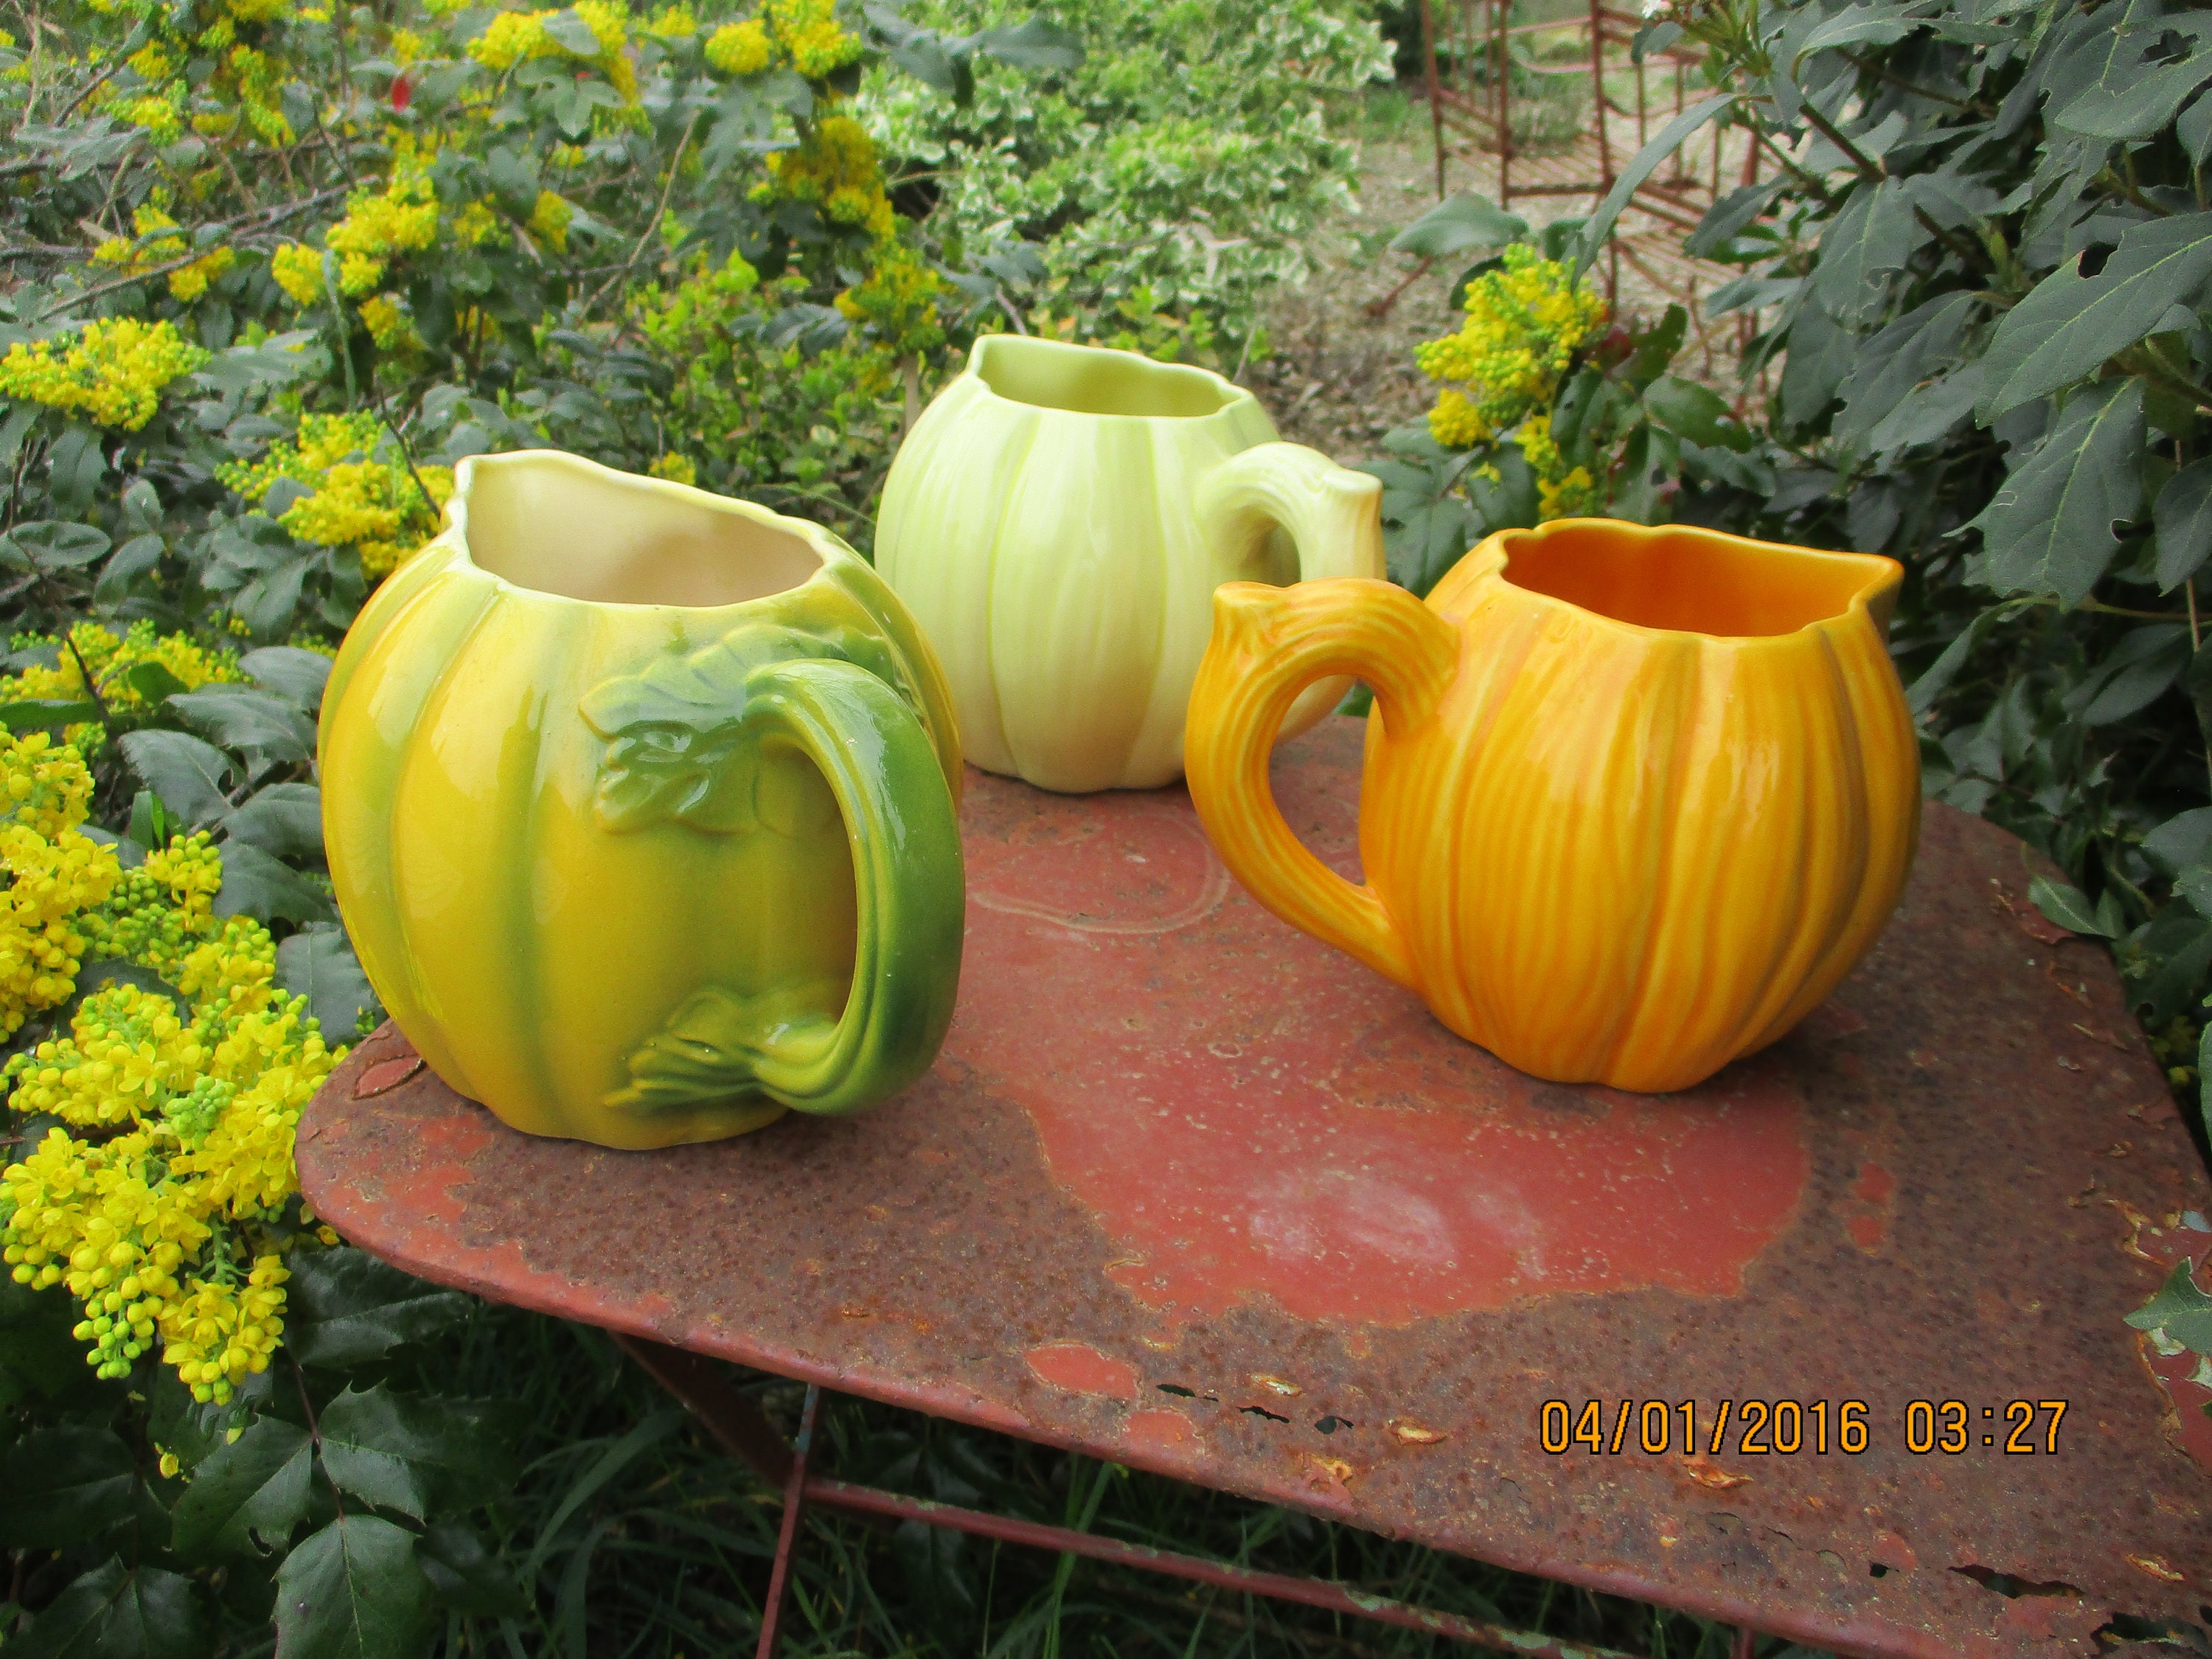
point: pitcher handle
(1334, 515)
(1268, 644)
(905, 840)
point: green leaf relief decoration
(678, 749)
(712, 1047)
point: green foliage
(1178, 168)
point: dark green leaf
(296, 675)
(1928, 412)
(131, 561)
(1879, 24)
(2183, 839)
(1696, 412)
(253, 1488)
(188, 773)
(277, 360)
(285, 819)
(38, 1355)
(1820, 355)
(116, 1612)
(268, 728)
(407, 1454)
(142, 506)
(1599, 228)
(353, 1591)
(2199, 683)
(1034, 44)
(2048, 528)
(152, 682)
(1864, 244)
(572, 33)
(465, 1575)
(1923, 342)
(255, 885)
(75, 466)
(1728, 216)
(2067, 906)
(54, 545)
(1458, 223)
(2182, 515)
(64, 1485)
(45, 713)
(2129, 94)
(2147, 662)
(319, 964)
(2195, 885)
(2180, 1310)
(346, 1307)
(2066, 327)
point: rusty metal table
(1189, 1191)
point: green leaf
(2195, 885)
(2199, 683)
(1458, 223)
(2148, 661)
(131, 561)
(2183, 513)
(353, 1591)
(151, 681)
(1872, 238)
(117, 1613)
(345, 1308)
(285, 819)
(75, 466)
(188, 773)
(255, 885)
(1696, 412)
(319, 964)
(1920, 344)
(38, 1355)
(2070, 324)
(2129, 94)
(1034, 44)
(1599, 228)
(1730, 216)
(52, 545)
(266, 728)
(45, 713)
(2183, 839)
(64, 1485)
(465, 1575)
(408, 1454)
(572, 33)
(296, 675)
(2048, 528)
(1878, 25)
(2180, 1310)
(2068, 906)
(253, 1488)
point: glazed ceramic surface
(1634, 799)
(1058, 520)
(640, 805)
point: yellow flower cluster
(899, 299)
(675, 22)
(803, 33)
(516, 35)
(402, 218)
(160, 240)
(111, 657)
(1562, 492)
(54, 873)
(1523, 326)
(112, 372)
(834, 167)
(298, 270)
(676, 467)
(548, 221)
(248, 78)
(389, 323)
(355, 500)
(165, 1212)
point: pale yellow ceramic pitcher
(1057, 522)
(1635, 801)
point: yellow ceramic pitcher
(641, 810)
(1634, 799)
(1058, 520)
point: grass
(631, 1536)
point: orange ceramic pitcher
(1634, 799)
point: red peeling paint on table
(1188, 1190)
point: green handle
(911, 887)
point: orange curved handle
(1269, 644)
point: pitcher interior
(1687, 581)
(1087, 381)
(611, 540)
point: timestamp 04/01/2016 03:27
(1761, 1428)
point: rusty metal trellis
(1473, 50)
(1189, 1192)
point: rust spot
(1079, 1368)
(1414, 1435)
(2157, 1569)
(1276, 1385)
(1162, 1431)
(1893, 1552)
(2119, 1149)
(2024, 915)
(1711, 1476)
